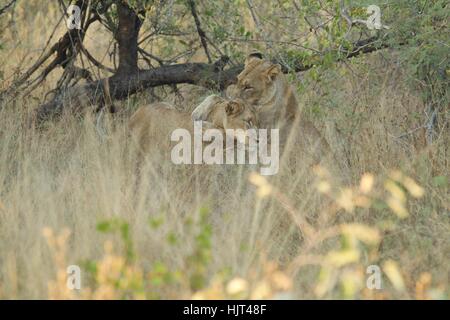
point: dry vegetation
(69, 195)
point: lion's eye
(248, 88)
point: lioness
(263, 85)
(153, 125)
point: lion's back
(152, 125)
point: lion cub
(153, 125)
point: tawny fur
(152, 125)
(263, 85)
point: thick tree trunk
(127, 38)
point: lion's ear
(203, 110)
(232, 107)
(273, 71)
(253, 56)
(229, 109)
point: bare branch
(201, 33)
(66, 43)
(94, 61)
(6, 7)
(151, 56)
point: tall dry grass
(209, 232)
(80, 172)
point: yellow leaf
(394, 275)
(362, 201)
(264, 188)
(281, 280)
(366, 183)
(47, 232)
(340, 258)
(351, 283)
(397, 207)
(257, 179)
(324, 284)
(262, 290)
(321, 172)
(345, 200)
(361, 232)
(237, 286)
(413, 188)
(395, 190)
(323, 187)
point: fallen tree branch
(202, 74)
(122, 86)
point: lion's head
(219, 113)
(256, 83)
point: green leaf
(440, 181)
